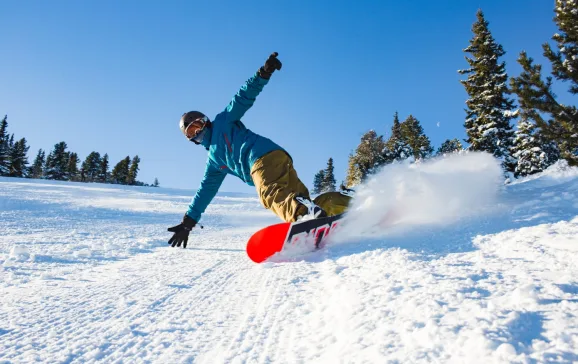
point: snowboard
(303, 236)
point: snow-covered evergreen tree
(366, 159)
(397, 148)
(533, 153)
(133, 171)
(328, 177)
(4, 147)
(57, 163)
(103, 174)
(489, 110)
(18, 159)
(72, 167)
(557, 122)
(449, 146)
(565, 59)
(91, 167)
(353, 176)
(36, 170)
(413, 134)
(318, 182)
(120, 171)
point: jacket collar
(207, 139)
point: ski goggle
(194, 129)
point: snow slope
(491, 276)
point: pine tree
(133, 171)
(66, 162)
(18, 160)
(4, 148)
(91, 167)
(450, 146)
(37, 165)
(533, 153)
(397, 148)
(57, 163)
(565, 62)
(557, 122)
(367, 158)
(72, 171)
(353, 176)
(415, 138)
(489, 111)
(318, 182)
(103, 174)
(120, 171)
(328, 183)
(47, 165)
(156, 182)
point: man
(258, 161)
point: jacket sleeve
(210, 185)
(245, 98)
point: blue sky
(115, 76)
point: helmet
(193, 125)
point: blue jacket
(233, 149)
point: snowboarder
(258, 161)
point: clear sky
(115, 76)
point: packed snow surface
(439, 262)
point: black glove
(181, 232)
(271, 64)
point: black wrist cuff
(188, 222)
(264, 74)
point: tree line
(546, 130)
(63, 165)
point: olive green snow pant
(277, 184)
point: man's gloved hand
(181, 232)
(271, 64)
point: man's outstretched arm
(209, 187)
(248, 93)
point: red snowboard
(275, 238)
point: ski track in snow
(86, 276)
